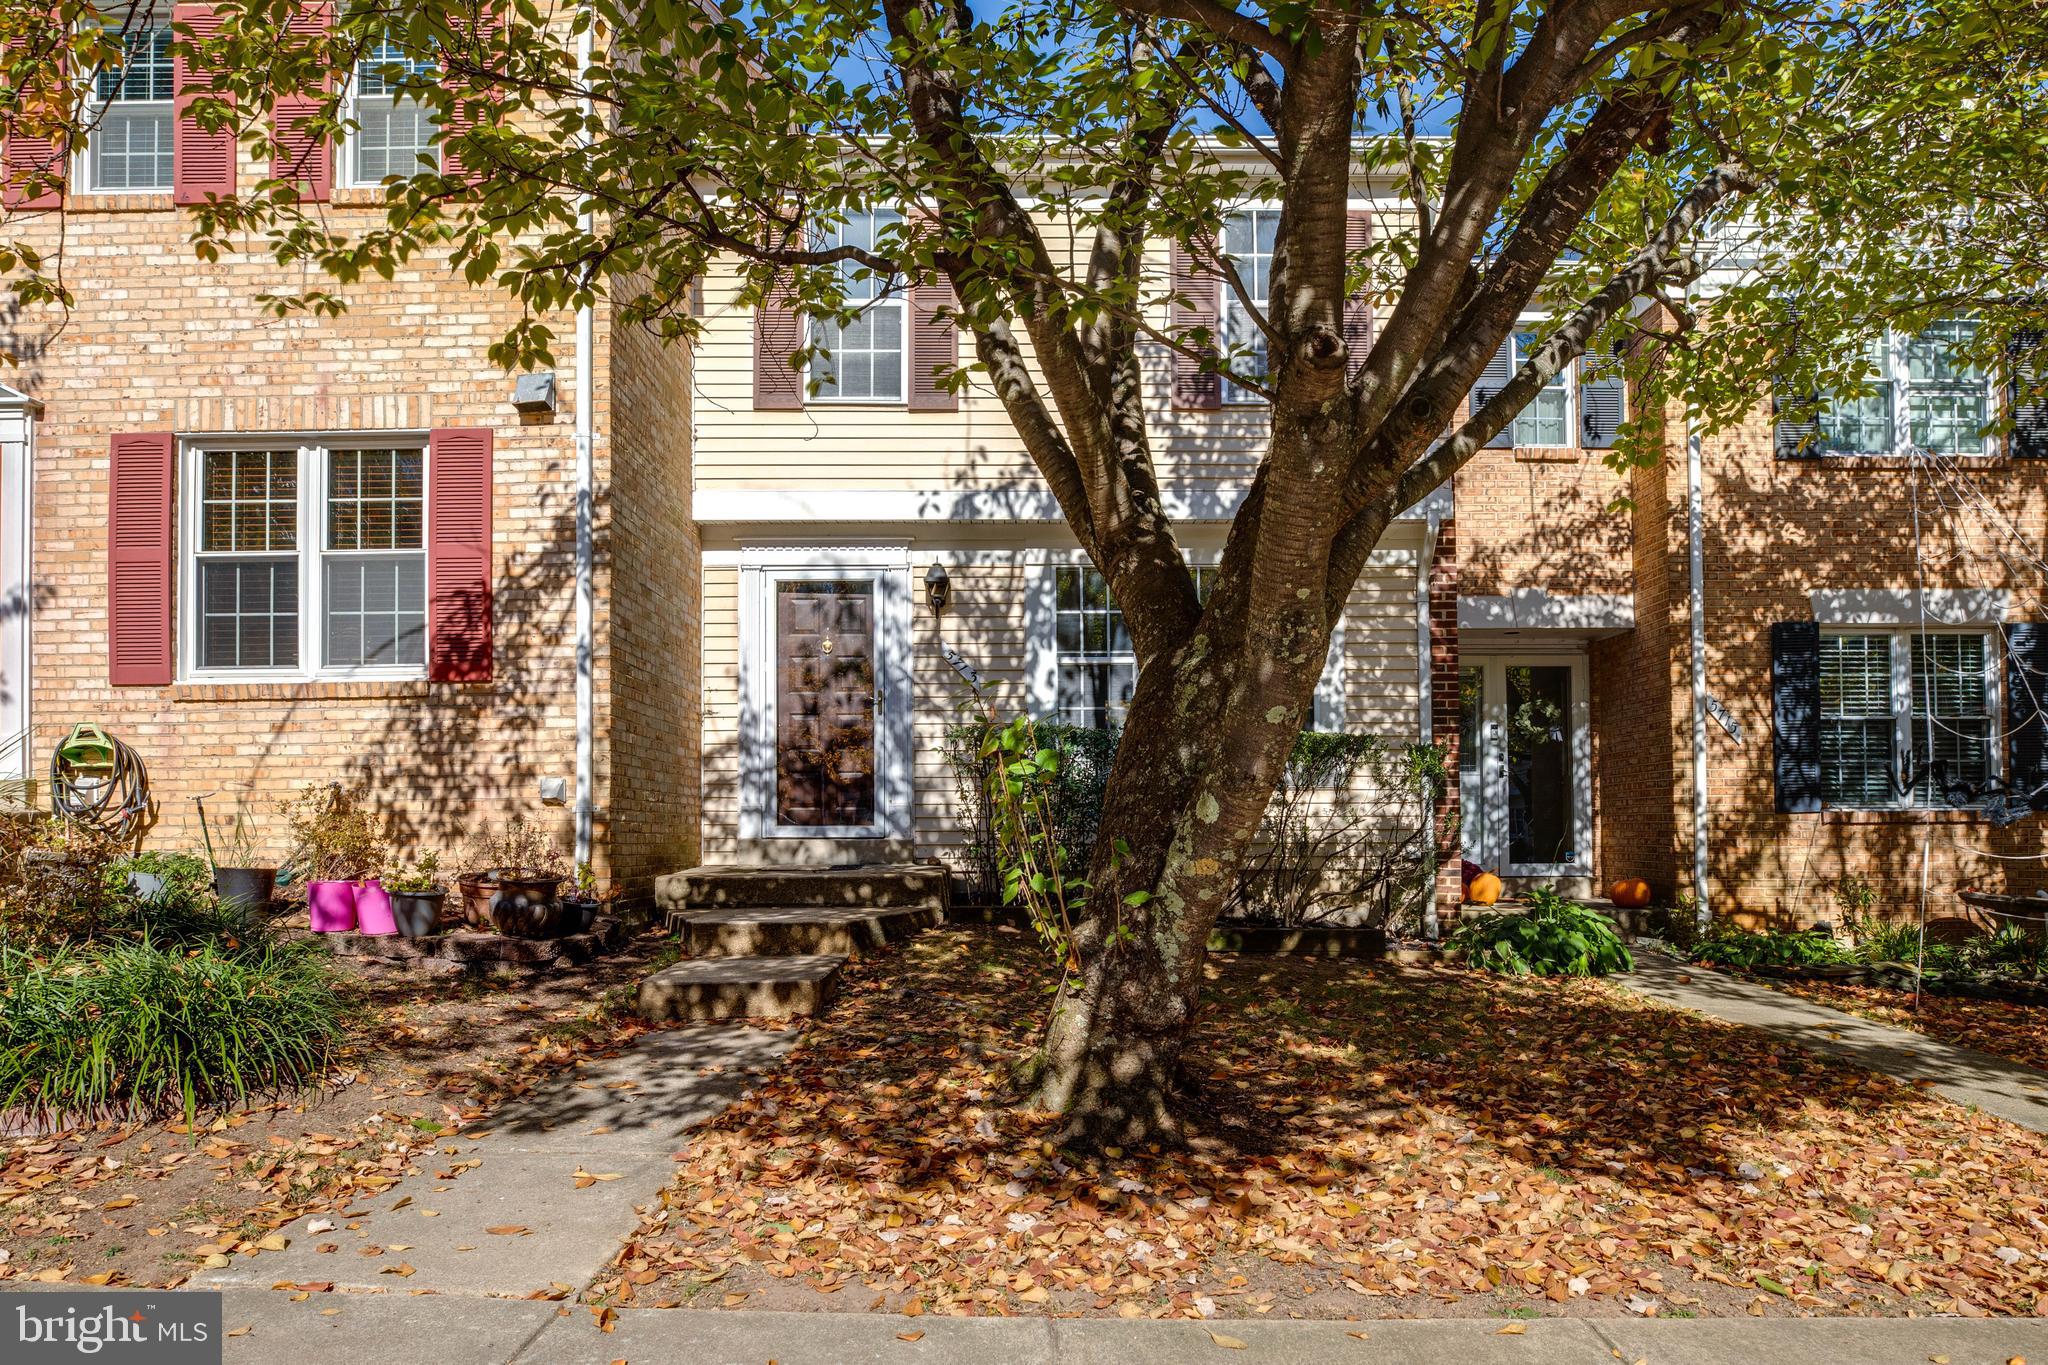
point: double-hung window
(1248, 238)
(861, 360)
(128, 149)
(1095, 666)
(394, 134)
(1547, 421)
(1920, 392)
(306, 560)
(1901, 709)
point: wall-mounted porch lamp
(938, 588)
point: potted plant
(517, 873)
(341, 846)
(240, 880)
(416, 896)
(581, 905)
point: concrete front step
(740, 987)
(778, 931)
(882, 886)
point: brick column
(1444, 715)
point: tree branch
(1228, 24)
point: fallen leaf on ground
(1226, 1341)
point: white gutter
(586, 500)
(1695, 534)
(1426, 690)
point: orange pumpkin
(1630, 893)
(1484, 890)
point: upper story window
(394, 134)
(129, 147)
(1248, 238)
(1920, 392)
(307, 560)
(1904, 703)
(862, 361)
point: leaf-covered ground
(2016, 1032)
(147, 1204)
(1372, 1140)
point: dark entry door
(825, 703)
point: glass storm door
(825, 703)
(1523, 764)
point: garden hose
(97, 779)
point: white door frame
(761, 569)
(1493, 766)
(18, 413)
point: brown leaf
(1513, 1329)
(509, 1230)
(910, 1336)
(1226, 1341)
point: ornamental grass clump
(137, 1028)
(1728, 946)
(1555, 937)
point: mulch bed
(1369, 1140)
(147, 1204)
(2017, 1032)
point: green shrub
(1556, 937)
(1075, 786)
(1883, 941)
(184, 874)
(1727, 946)
(146, 1028)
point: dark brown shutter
(1795, 715)
(202, 159)
(139, 479)
(2025, 360)
(778, 335)
(301, 155)
(934, 346)
(472, 107)
(1358, 306)
(459, 480)
(1200, 306)
(32, 165)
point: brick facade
(159, 341)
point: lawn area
(1370, 1141)
(424, 1060)
(2016, 1032)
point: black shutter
(2026, 709)
(1795, 410)
(1603, 398)
(1492, 380)
(1795, 714)
(2024, 353)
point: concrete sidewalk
(348, 1329)
(1993, 1084)
(557, 1173)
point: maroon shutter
(139, 558)
(30, 156)
(1357, 307)
(300, 155)
(459, 555)
(934, 346)
(1194, 385)
(202, 161)
(470, 105)
(778, 335)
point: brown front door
(825, 703)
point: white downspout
(1426, 721)
(1695, 534)
(586, 506)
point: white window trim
(1234, 397)
(897, 297)
(1902, 702)
(95, 109)
(1490, 781)
(761, 568)
(349, 143)
(1568, 377)
(1897, 373)
(1042, 646)
(311, 552)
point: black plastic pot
(418, 912)
(578, 914)
(248, 888)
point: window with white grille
(861, 360)
(1915, 391)
(1905, 708)
(128, 147)
(1248, 238)
(394, 134)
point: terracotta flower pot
(477, 890)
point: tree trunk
(1204, 744)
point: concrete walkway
(557, 1173)
(336, 1329)
(1993, 1084)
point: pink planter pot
(331, 906)
(373, 909)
